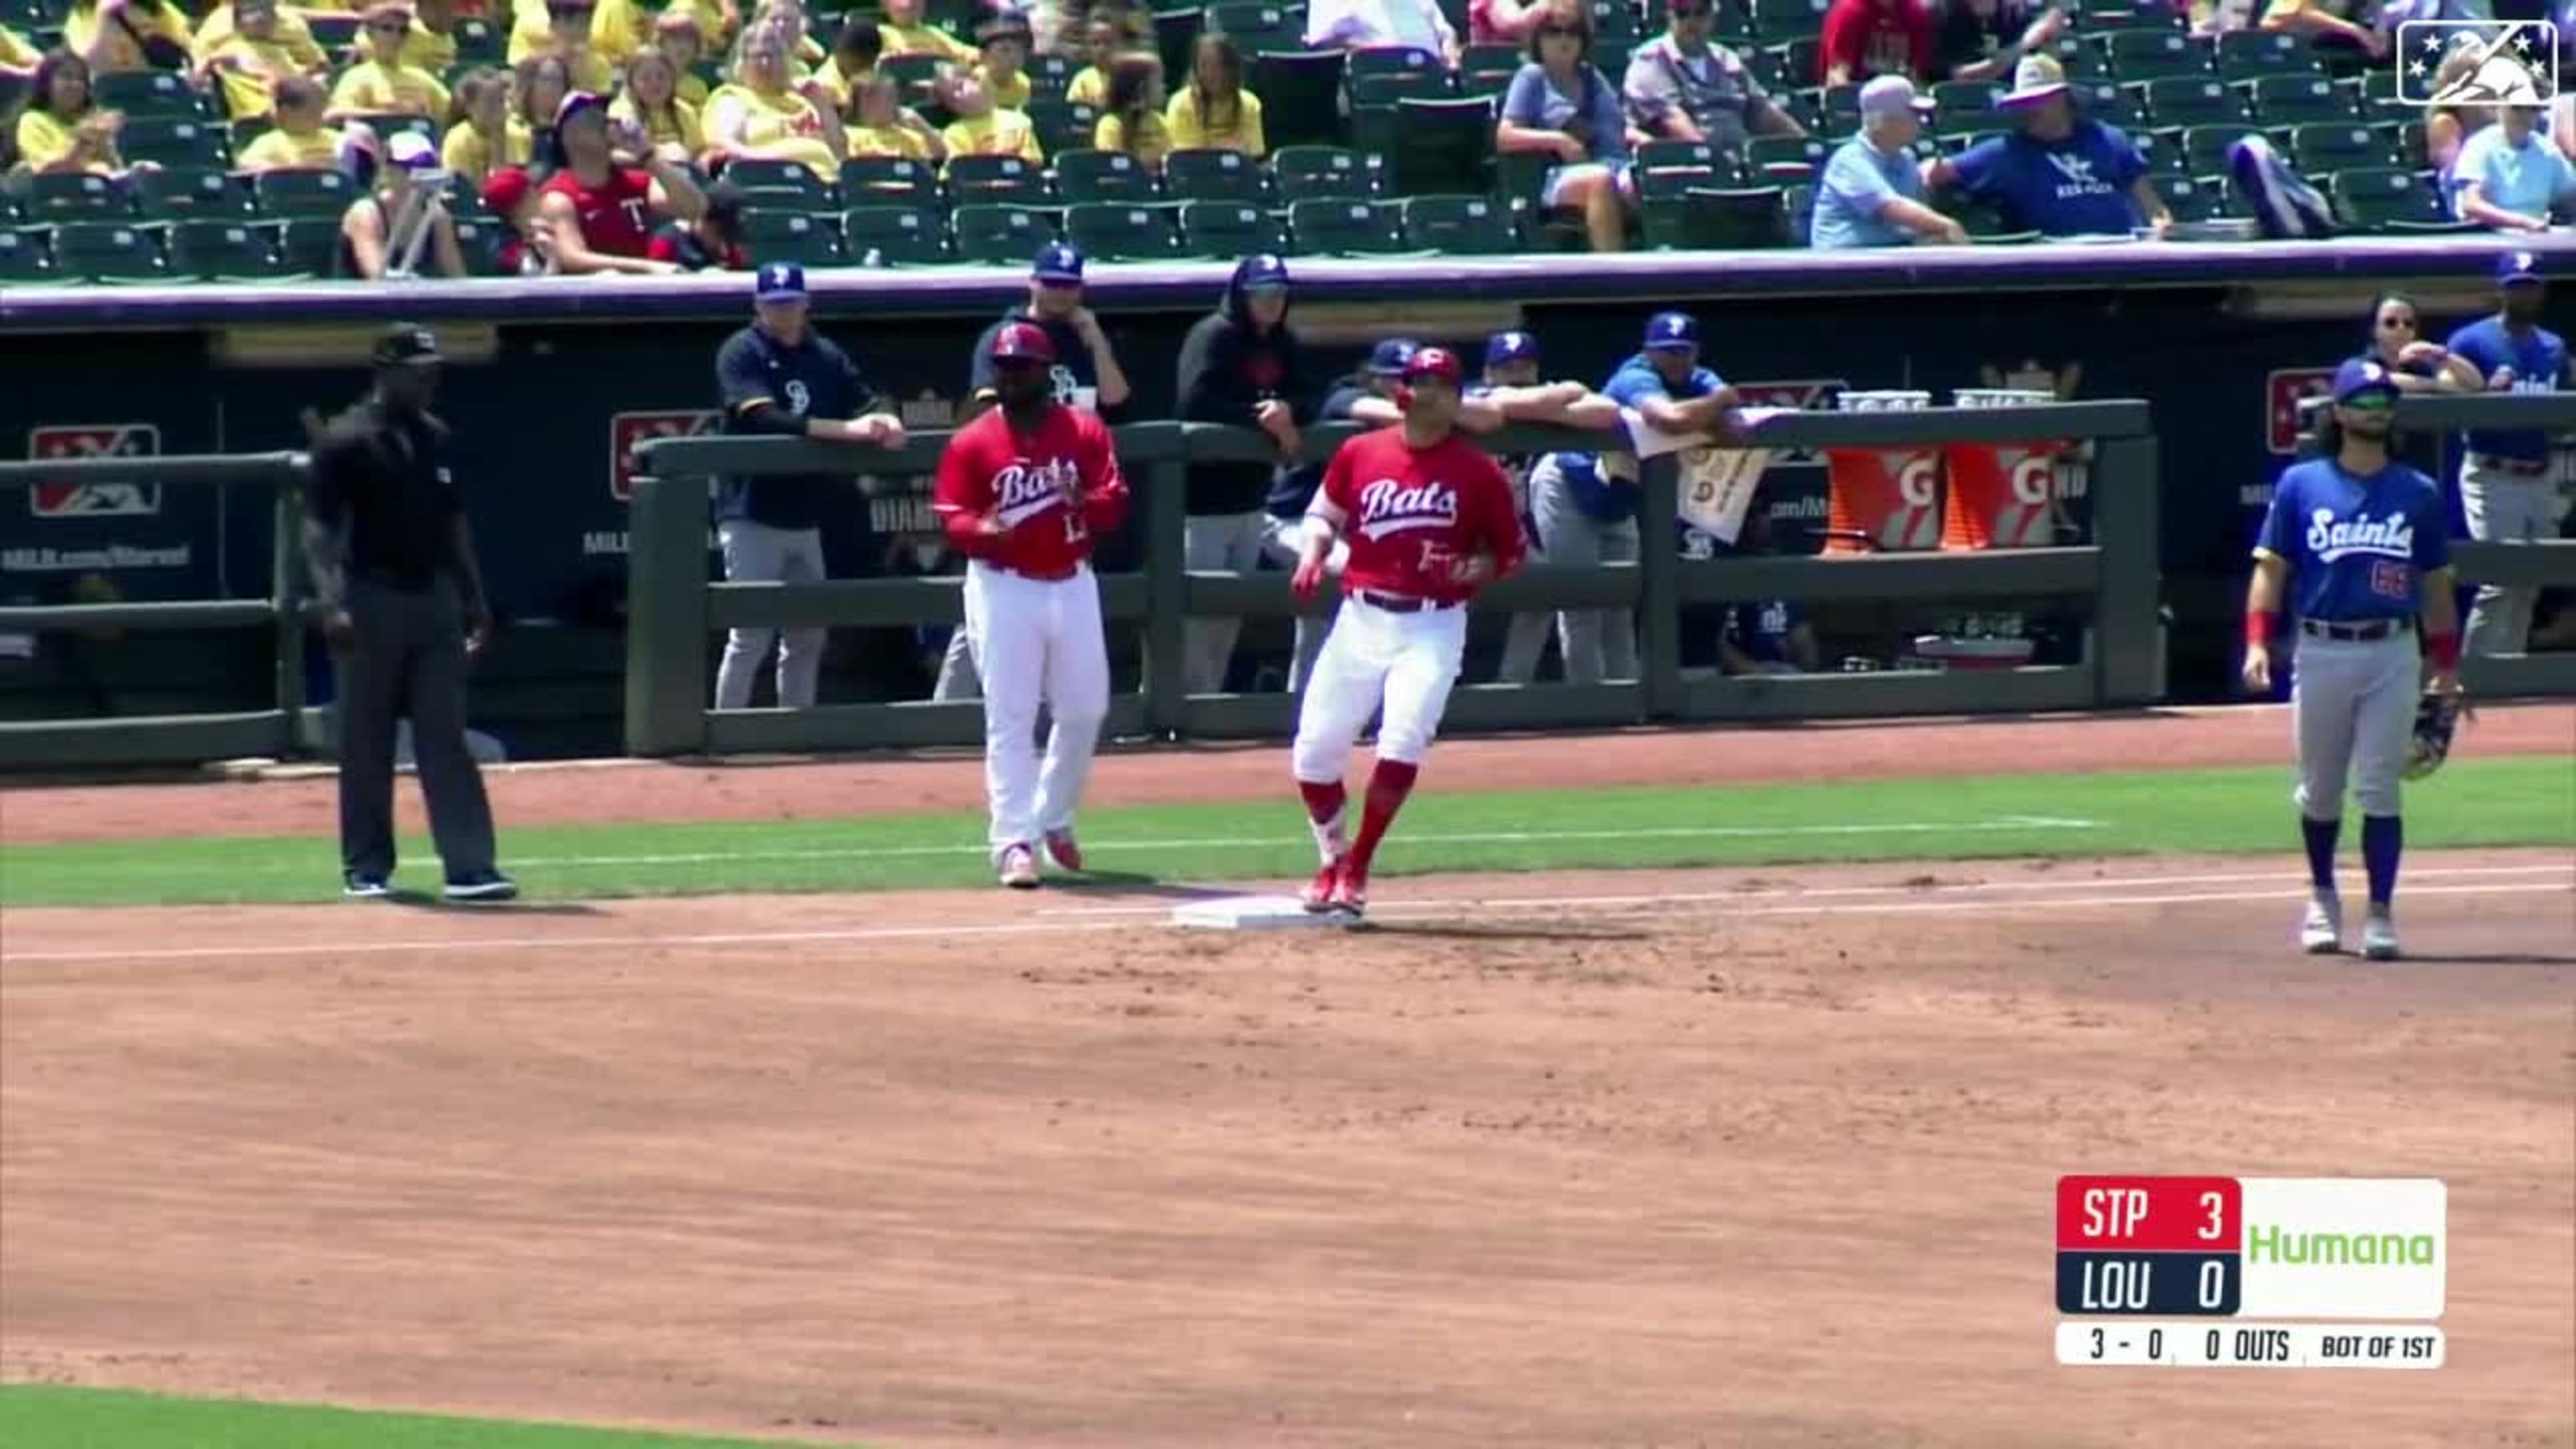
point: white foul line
(286, 950)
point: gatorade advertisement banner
(1882, 499)
(2002, 495)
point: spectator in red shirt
(1865, 38)
(714, 240)
(598, 207)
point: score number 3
(2216, 1206)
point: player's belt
(2520, 467)
(1042, 576)
(1398, 604)
(2357, 633)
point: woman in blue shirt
(1561, 105)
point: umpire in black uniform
(401, 600)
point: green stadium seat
(1086, 175)
(870, 180)
(897, 235)
(176, 195)
(2300, 100)
(108, 251)
(999, 234)
(2104, 101)
(1050, 76)
(297, 193)
(1441, 148)
(1212, 175)
(772, 183)
(791, 236)
(913, 76)
(1786, 160)
(1176, 38)
(1383, 75)
(1301, 96)
(1319, 173)
(1224, 230)
(2246, 55)
(1614, 19)
(2205, 148)
(2163, 150)
(1840, 113)
(158, 93)
(976, 179)
(310, 245)
(2386, 199)
(2187, 198)
(2157, 54)
(1118, 231)
(2083, 60)
(1736, 28)
(231, 250)
(1256, 25)
(1344, 228)
(1802, 63)
(2181, 102)
(479, 239)
(1781, 20)
(1668, 168)
(1487, 70)
(74, 196)
(1458, 226)
(174, 141)
(25, 260)
(480, 42)
(1063, 126)
(1727, 219)
(1963, 105)
(2322, 150)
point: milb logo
(629, 431)
(93, 498)
(2283, 391)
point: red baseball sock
(1389, 783)
(1324, 804)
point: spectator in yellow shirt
(1003, 69)
(301, 142)
(651, 100)
(485, 140)
(63, 132)
(290, 31)
(534, 30)
(18, 59)
(883, 126)
(255, 59)
(906, 33)
(855, 51)
(123, 35)
(1214, 112)
(683, 41)
(567, 37)
(384, 85)
(760, 116)
(982, 129)
(1133, 120)
(1090, 85)
(431, 45)
(789, 20)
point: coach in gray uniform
(400, 597)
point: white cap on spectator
(1890, 95)
(412, 151)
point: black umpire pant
(408, 659)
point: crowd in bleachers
(144, 141)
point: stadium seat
(2158, 54)
(2245, 55)
(999, 234)
(2120, 17)
(1063, 126)
(2299, 100)
(1722, 219)
(1224, 230)
(2163, 150)
(2104, 101)
(1344, 228)
(2322, 150)
(479, 240)
(913, 76)
(1301, 96)
(1963, 105)
(2188, 199)
(791, 236)
(1383, 75)
(2180, 102)
(1486, 70)
(2205, 148)
(2082, 60)
(1614, 20)
(141, 93)
(996, 179)
(296, 193)
(25, 261)
(480, 42)
(1786, 160)
(776, 184)
(1087, 175)
(1800, 202)
(1801, 63)
(229, 250)
(869, 180)
(895, 235)
(1256, 25)
(1667, 168)
(1176, 38)
(1782, 20)
(1212, 175)
(2386, 199)
(174, 141)
(1441, 148)
(75, 195)
(1318, 173)
(1458, 226)
(1840, 112)
(1050, 76)
(185, 194)
(1118, 231)
(108, 251)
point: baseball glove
(2437, 718)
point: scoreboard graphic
(2220, 1272)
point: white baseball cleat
(2321, 932)
(1020, 868)
(2379, 937)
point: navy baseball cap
(1512, 346)
(2359, 376)
(1390, 357)
(1264, 270)
(779, 282)
(2518, 267)
(1671, 330)
(1059, 263)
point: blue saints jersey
(2538, 358)
(2358, 547)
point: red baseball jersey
(1051, 488)
(1411, 515)
(617, 216)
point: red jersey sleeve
(962, 493)
(1104, 488)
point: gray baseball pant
(2505, 508)
(1285, 539)
(1598, 643)
(1213, 543)
(957, 676)
(2352, 707)
(408, 660)
(756, 553)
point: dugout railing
(169, 739)
(674, 608)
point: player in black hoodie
(1242, 365)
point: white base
(1251, 913)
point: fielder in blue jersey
(2356, 544)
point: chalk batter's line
(283, 951)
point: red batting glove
(1309, 577)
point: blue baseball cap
(2517, 267)
(1391, 357)
(1059, 263)
(779, 282)
(2359, 376)
(1264, 270)
(1513, 346)
(1671, 331)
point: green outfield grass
(45, 1417)
(1450, 826)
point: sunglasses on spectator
(2406, 322)
(2371, 402)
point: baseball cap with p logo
(1671, 331)
(2517, 267)
(1513, 346)
(1059, 264)
(2360, 377)
(779, 282)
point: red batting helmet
(1437, 362)
(1025, 341)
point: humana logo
(2269, 1244)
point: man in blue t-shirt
(2355, 543)
(781, 378)
(2506, 490)
(2059, 174)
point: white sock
(1329, 844)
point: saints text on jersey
(2330, 539)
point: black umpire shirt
(813, 379)
(388, 480)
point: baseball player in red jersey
(1021, 491)
(1429, 519)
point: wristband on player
(2445, 649)
(2258, 628)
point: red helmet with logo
(1025, 341)
(1437, 362)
